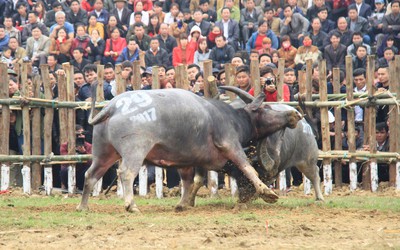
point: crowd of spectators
(173, 32)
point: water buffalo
(176, 128)
(283, 149)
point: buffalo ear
(257, 102)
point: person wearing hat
(50, 19)
(122, 13)
(77, 15)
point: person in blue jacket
(255, 41)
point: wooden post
(182, 81)
(5, 128)
(156, 78)
(371, 183)
(309, 83)
(137, 77)
(397, 125)
(207, 73)
(70, 125)
(280, 82)
(230, 72)
(99, 98)
(393, 123)
(141, 58)
(118, 80)
(36, 136)
(255, 77)
(338, 128)
(213, 86)
(326, 140)
(26, 170)
(351, 139)
(48, 126)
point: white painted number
(147, 116)
(131, 103)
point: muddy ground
(214, 226)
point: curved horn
(246, 97)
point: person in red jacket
(268, 79)
(184, 53)
(88, 5)
(114, 46)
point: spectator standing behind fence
(305, 52)
(388, 56)
(76, 16)
(229, 28)
(184, 53)
(130, 53)
(114, 47)
(391, 22)
(318, 36)
(81, 147)
(335, 54)
(60, 45)
(360, 60)
(167, 41)
(344, 33)
(78, 60)
(382, 85)
(202, 53)
(222, 53)
(294, 25)
(37, 47)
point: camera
(79, 141)
(269, 81)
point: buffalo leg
(198, 182)
(238, 157)
(312, 173)
(186, 174)
(128, 175)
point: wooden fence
(32, 164)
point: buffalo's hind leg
(311, 171)
(128, 175)
(187, 175)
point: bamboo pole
(45, 158)
(351, 139)
(48, 126)
(397, 125)
(5, 128)
(338, 129)
(373, 171)
(255, 77)
(393, 123)
(36, 136)
(207, 66)
(230, 72)
(280, 81)
(137, 77)
(118, 80)
(26, 169)
(326, 141)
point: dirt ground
(304, 227)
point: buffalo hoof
(132, 208)
(180, 208)
(81, 208)
(269, 196)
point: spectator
(382, 85)
(113, 23)
(256, 39)
(274, 23)
(287, 51)
(339, 9)
(360, 60)
(41, 9)
(139, 10)
(88, 5)
(77, 16)
(155, 55)
(313, 11)
(79, 61)
(305, 52)
(97, 46)
(264, 60)
(268, 80)
(17, 52)
(237, 61)
(81, 147)
(202, 53)
(275, 58)
(114, 47)
(222, 53)
(335, 53)
(60, 19)
(229, 28)
(184, 53)
(137, 17)
(167, 41)
(154, 25)
(342, 30)
(357, 41)
(234, 11)
(129, 53)
(294, 25)
(10, 30)
(37, 46)
(122, 14)
(21, 17)
(215, 31)
(95, 25)
(196, 4)
(172, 14)
(147, 4)
(327, 25)
(249, 20)
(170, 76)
(375, 21)
(318, 36)
(4, 38)
(178, 27)
(142, 39)
(81, 40)
(52, 61)
(363, 10)
(294, 7)
(50, 19)
(358, 24)
(6, 57)
(102, 15)
(209, 14)
(391, 22)
(266, 46)
(389, 43)
(109, 82)
(27, 29)
(360, 80)
(192, 71)
(199, 84)
(388, 56)
(290, 80)
(157, 9)
(204, 25)
(60, 45)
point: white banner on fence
(71, 179)
(5, 177)
(328, 178)
(213, 183)
(48, 180)
(353, 175)
(120, 190)
(26, 179)
(234, 186)
(97, 187)
(398, 175)
(143, 181)
(282, 182)
(374, 176)
(307, 185)
(159, 182)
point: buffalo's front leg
(238, 157)
(187, 175)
